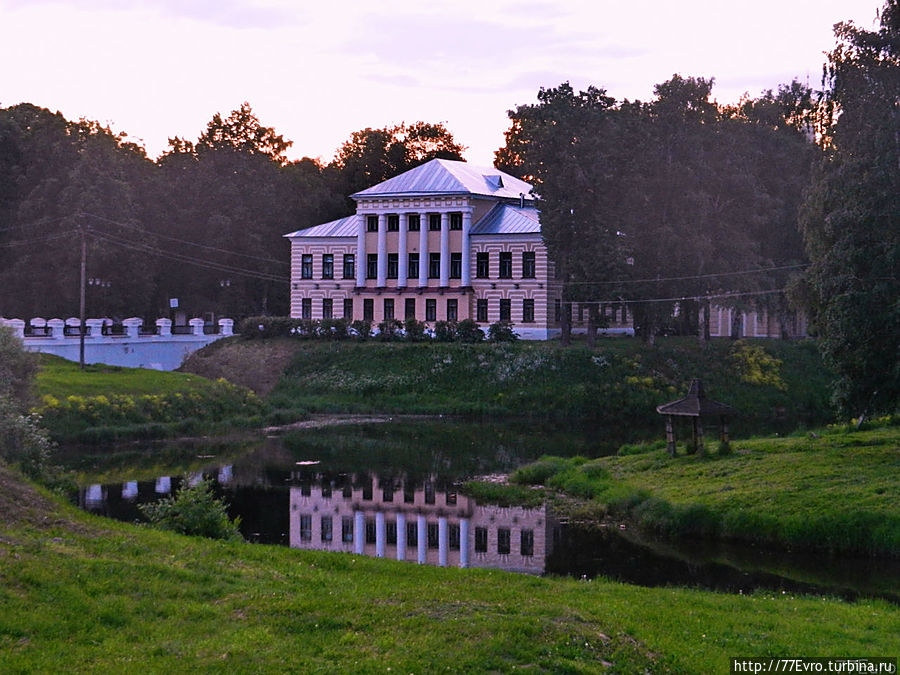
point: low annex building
(445, 241)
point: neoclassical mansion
(442, 242)
(448, 241)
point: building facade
(445, 241)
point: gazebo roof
(695, 404)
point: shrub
(445, 331)
(361, 330)
(467, 330)
(502, 331)
(194, 510)
(266, 327)
(539, 472)
(415, 330)
(390, 329)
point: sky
(318, 71)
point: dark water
(392, 490)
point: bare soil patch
(255, 364)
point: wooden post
(701, 448)
(670, 436)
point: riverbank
(84, 594)
(776, 385)
(834, 491)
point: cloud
(240, 14)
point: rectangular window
(481, 540)
(306, 266)
(503, 541)
(327, 529)
(526, 542)
(328, 266)
(453, 536)
(528, 265)
(367, 490)
(306, 309)
(456, 221)
(327, 308)
(482, 265)
(433, 538)
(390, 532)
(306, 527)
(506, 309)
(434, 222)
(409, 493)
(368, 309)
(388, 309)
(429, 493)
(412, 267)
(430, 309)
(392, 265)
(413, 224)
(412, 534)
(348, 308)
(326, 490)
(481, 310)
(456, 265)
(409, 308)
(372, 266)
(450, 498)
(387, 492)
(393, 223)
(349, 266)
(528, 311)
(370, 531)
(452, 309)
(506, 265)
(372, 223)
(434, 265)
(346, 529)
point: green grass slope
(833, 491)
(775, 385)
(84, 595)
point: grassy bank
(833, 491)
(776, 385)
(106, 403)
(81, 594)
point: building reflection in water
(419, 524)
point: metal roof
(695, 404)
(444, 176)
(342, 227)
(509, 219)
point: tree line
(204, 223)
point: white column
(401, 536)
(196, 325)
(359, 532)
(382, 250)
(445, 249)
(361, 251)
(443, 541)
(463, 542)
(423, 250)
(163, 327)
(466, 248)
(58, 328)
(226, 327)
(402, 257)
(380, 534)
(422, 531)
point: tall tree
(370, 156)
(851, 220)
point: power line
(716, 296)
(45, 221)
(208, 264)
(185, 241)
(39, 240)
(690, 277)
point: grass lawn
(61, 378)
(836, 490)
(84, 595)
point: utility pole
(81, 304)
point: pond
(390, 489)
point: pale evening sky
(316, 72)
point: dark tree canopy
(851, 219)
(677, 187)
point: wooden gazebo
(696, 406)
